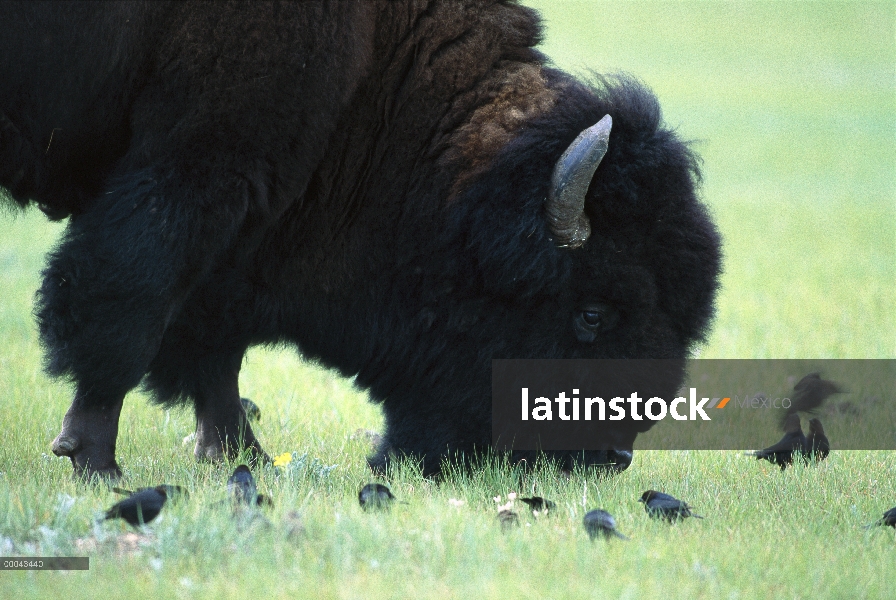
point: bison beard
(366, 181)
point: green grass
(793, 108)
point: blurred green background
(792, 106)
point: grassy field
(793, 108)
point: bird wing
(788, 443)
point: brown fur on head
(648, 496)
(509, 97)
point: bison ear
(565, 207)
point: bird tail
(122, 491)
(620, 536)
(696, 516)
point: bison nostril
(622, 459)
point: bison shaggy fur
(366, 181)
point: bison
(402, 190)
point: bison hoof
(215, 452)
(65, 445)
(256, 456)
(86, 465)
(208, 452)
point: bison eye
(592, 320)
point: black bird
(243, 491)
(663, 506)
(538, 503)
(600, 523)
(508, 519)
(375, 496)
(172, 491)
(793, 441)
(140, 507)
(809, 394)
(817, 445)
(241, 486)
(889, 519)
(253, 413)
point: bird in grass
(889, 519)
(141, 507)
(508, 519)
(540, 504)
(809, 394)
(817, 445)
(663, 506)
(794, 441)
(171, 491)
(253, 413)
(375, 496)
(600, 523)
(243, 491)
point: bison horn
(565, 208)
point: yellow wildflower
(283, 460)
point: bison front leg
(88, 437)
(222, 427)
(119, 276)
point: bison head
(583, 238)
